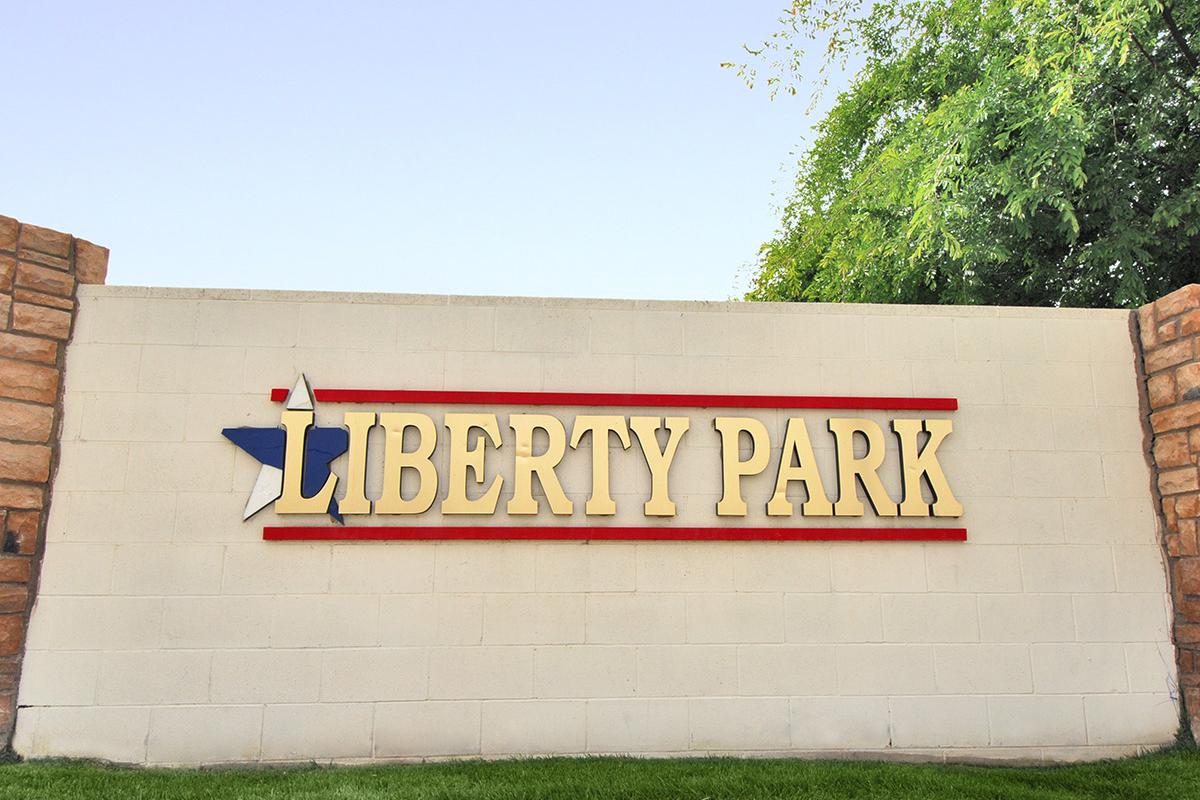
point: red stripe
(440, 397)
(616, 534)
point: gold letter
(463, 458)
(924, 463)
(601, 501)
(797, 443)
(527, 463)
(359, 424)
(293, 501)
(733, 469)
(659, 461)
(395, 461)
(849, 467)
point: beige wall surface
(167, 631)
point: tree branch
(1154, 64)
(1177, 35)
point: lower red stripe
(628, 534)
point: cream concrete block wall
(167, 631)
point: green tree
(1024, 152)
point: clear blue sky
(532, 148)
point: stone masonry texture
(167, 631)
(1170, 334)
(40, 270)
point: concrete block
(1067, 569)
(637, 726)
(1122, 617)
(374, 674)
(838, 337)
(95, 623)
(533, 619)
(1049, 720)
(1000, 520)
(1116, 385)
(120, 516)
(584, 671)
(414, 619)
(153, 678)
(167, 569)
(686, 670)
(484, 567)
(541, 330)
(635, 332)
(1126, 475)
(684, 567)
(133, 320)
(907, 338)
(1058, 474)
(572, 372)
(325, 621)
(342, 326)
(1151, 666)
(410, 730)
(939, 721)
(58, 678)
(191, 735)
(833, 618)
(983, 668)
(729, 724)
(426, 327)
(951, 567)
(266, 676)
(782, 567)
(840, 723)
(1044, 384)
(110, 734)
(191, 466)
(1026, 618)
(91, 466)
(69, 568)
(494, 371)
(878, 567)
(1148, 719)
(169, 369)
(317, 731)
(103, 367)
(1140, 568)
(730, 618)
(585, 567)
(391, 568)
(468, 673)
(1078, 668)
(723, 333)
(261, 568)
(1107, 520)
(783, 670)
(534, 726)
(636, 618)
(128, 417)
(682, 374)
(885, 669)
(266, 324)
(217, 622)
(930, 618)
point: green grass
(1166, 776)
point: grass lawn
(1169, 775)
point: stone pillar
(1170, 334)
(39, 272)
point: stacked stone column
(1170, 335)
(40, 270)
